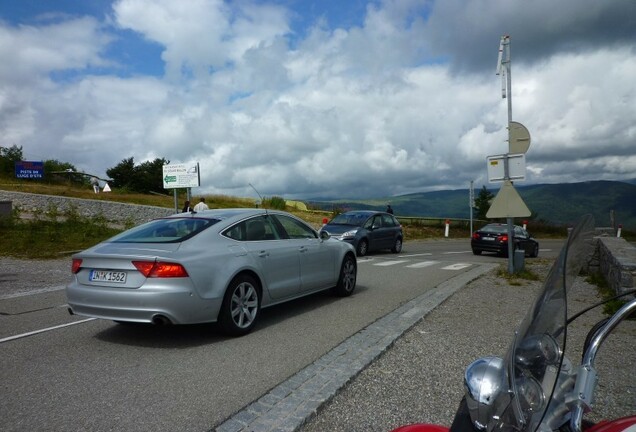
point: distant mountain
(559, 204)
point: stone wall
(617, 263)
(113, 212)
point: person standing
(389, 209)
(95, 183)
(201, 205)
(186, 207)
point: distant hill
(559, 204)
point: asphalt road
(67, 373)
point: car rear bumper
(144, 305)
(490, 247)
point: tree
(8, 157)
(53, 169)
(122, 174)
(149, 175)
(143, 178)
(482, 202)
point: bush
(275, 202)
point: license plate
(107, 276)
(489, 238)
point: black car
(367, 231)
(494, 238)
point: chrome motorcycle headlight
(537, 351)
(483, 381)
(531, 397)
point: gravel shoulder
(419, 379)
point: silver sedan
(216, 265)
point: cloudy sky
(321, 98)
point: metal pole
(471, 204)
(510, 221)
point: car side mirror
(324, 235)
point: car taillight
(76, 265)
(503, 238)
(476, 236)
(157, 269)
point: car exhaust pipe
(161, 320)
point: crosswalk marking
(413, 265)
(416, 255)
(422, 264)
(389, 263)
(457, 266)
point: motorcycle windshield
(535, 357)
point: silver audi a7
(221, 265)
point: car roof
(494, 226)
(363, 212)
(222, 214)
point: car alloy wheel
(535, 251)
(241, 306)
(347, 280)
(397, 247)
(363, 247)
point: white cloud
(390, 106)
(199, 35)
(29, 52)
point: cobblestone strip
(286, 407)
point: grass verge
(52, 237)
(606, 293)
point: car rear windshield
(494, 229)
(355, 219)
(167, 230)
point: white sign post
(185, 175)
(518, 141)
(497, 167)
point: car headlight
(349, 234)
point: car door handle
(263, 254)
(302, 249)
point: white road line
(23, 335)
(457, 266)
(422, 264)
(32, 292)
(459, 252)
(415, 255)
(389, 263)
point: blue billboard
(29, 169)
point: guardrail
(437, 221)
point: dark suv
(367, 230)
